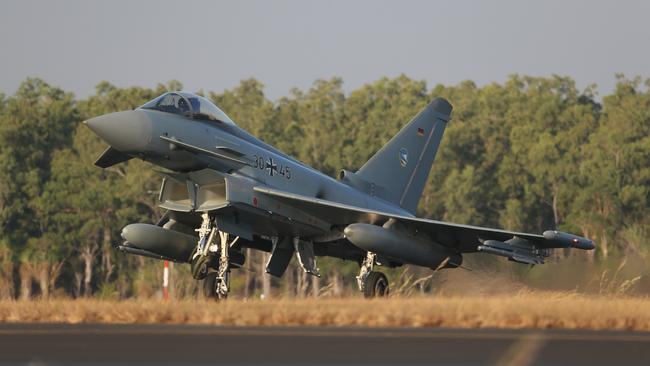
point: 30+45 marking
(271, 167)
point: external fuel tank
(401, 246)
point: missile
(567, 240)
(127, 248)
(157, 240)
(515, 250)
(401, 246)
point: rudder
(399, 170)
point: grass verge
(523, 310)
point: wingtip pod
(568, 240)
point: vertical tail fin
(399, 170)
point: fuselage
(270, 167)
(139, 133)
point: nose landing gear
(216, 287)
(210, 262)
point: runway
(44, 344)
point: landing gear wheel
(211, 285)
(375, 285)
(199, 267)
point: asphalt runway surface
(45, 344)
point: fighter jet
(225, 190)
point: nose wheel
(213, 286)
(210, 256)
(199, 267)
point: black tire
(376, 285)
(199, 267)
(210, 286)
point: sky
(212, 45)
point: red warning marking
(421, 131)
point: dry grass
(522, 310)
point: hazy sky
(211, 45)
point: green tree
(615, 175)
(35, 122)
(248, 107)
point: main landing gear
(210, 261)
(371, 283)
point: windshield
(188, 104)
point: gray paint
(257, 192)
(401, 168)
(155, 239)
(401, 247)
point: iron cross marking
(271, 166)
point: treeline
(529, 154)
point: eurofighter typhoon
(225, 190)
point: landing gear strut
(213, 286)
(210, 261)
(371, 283)
(201, 257)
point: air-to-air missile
(521, 250)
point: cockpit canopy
(189, 105)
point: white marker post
(166, 281)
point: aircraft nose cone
(128, 131)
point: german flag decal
(420, 131)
